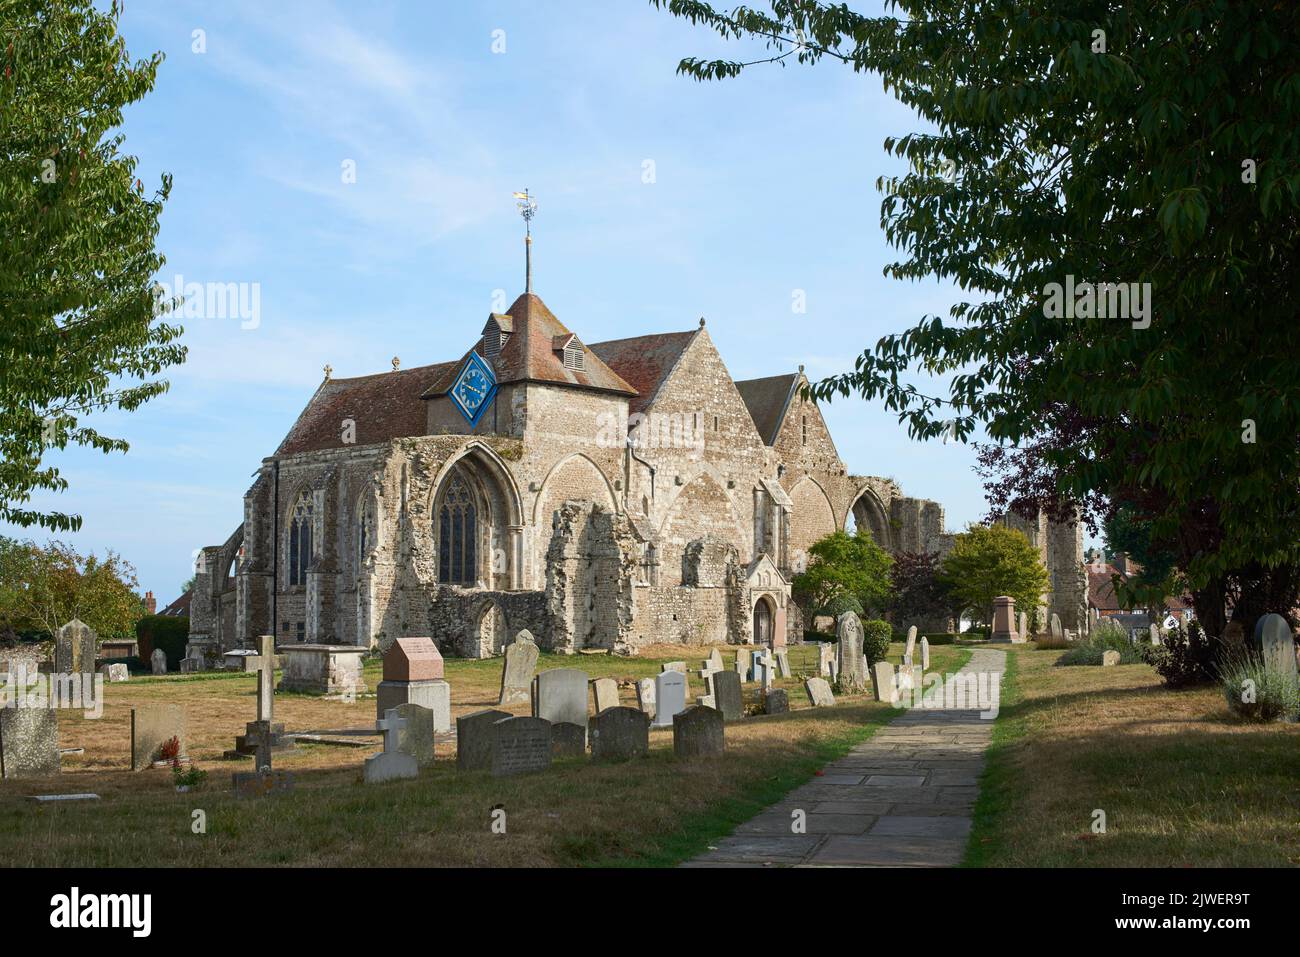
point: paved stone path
(901, 798)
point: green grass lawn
(1180, 780)
(653, 811)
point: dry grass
(653, 811)
(1182, 783)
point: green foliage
(80, 334)
(1163, 153)
(876, 636)
(1089, 650)
(1257, 690)
(987, 561)
(845, 566)
(1187, 657)
(168, 632)
(942, 638)
(919, 595)
(191, 777)
(840, 604)
(44, 587)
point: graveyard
(653, 810)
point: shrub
(1187, 657)
(876, 636)
(943, 638)
(168, 632)
(1089, 651)
(841, 604)
(1257, 690)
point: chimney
(150, 604)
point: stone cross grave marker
(517, 670)
(390, 764)
(266, 678)
(670, 697)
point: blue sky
(762, 186)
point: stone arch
(702, 509)
(491, 632)
(868, 511)
(764, 615)
(811, 518)
(573, 477)
(483, 476)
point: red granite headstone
(413, 659)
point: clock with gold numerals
(474, 388)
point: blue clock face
(473, 389)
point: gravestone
(390, 764)
(925, 654)
(415, 734)
(152, 726)
(561, 695)
(29, 742)
(825, 660)
(755, 664)
(698, 732)
(678, 666)
(604, 692)
(1057, 631)
(645, 695)
(257, 784)
(776, 701)
(852, 666)
(190, 666)
(413, 674)
(75, 646)
(1153, 633)
(517, 670)
(670, 697)
(1109, 658)
(783, 664)
(908, 678)
(520, 745)
(1277, 643)
(568, 740)
(620, 733)
(322, 669)
(819, 692)
(714, 661)
(1004, 617)
(1024, 627)
(884, 683)
(115, 672)
(158, 661)
(910, 649)
(264, 730)
(474, 739)
(763, 668)
(728, 695)
(741, 666)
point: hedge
(168, 632)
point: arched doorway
(763, 621)
(491, 631)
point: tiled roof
(644, 362)
(180, 608)
(766, 400)
(1101, 590)
(530, 356)
(384, 406)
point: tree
(843, 565)
(42, 588)
(81, 331)
(919, 595)
(1117, 188)
(988, 561)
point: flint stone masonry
(153, 726)
(728, 695)
(521, 745)
(561, 695)
(568, 740)
(698, 732)
(322, 669)
(518, 668)
(29, 742)
(620, 733)
(819, 693)
(474, 735)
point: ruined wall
(812, 518)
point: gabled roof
(767, 399)
(530, 355)
(180, 608)
(644, 362)
(384, 406)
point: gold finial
(397, 363)
(701, 322)
(328, 369)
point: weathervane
(527, 209)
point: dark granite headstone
(474, 739)
(698, 732)
(568, 740)
(776, 701)
(620, 733)
(727, 695)
(520, 745)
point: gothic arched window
(457, 536)
(365, 532)
(300, 540)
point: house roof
(644, 362)
(530, 355)
(1101, 589)
(180, 608)
(384, 406)
(767, 399)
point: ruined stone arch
(701, 509)
(574, 477)
(868, 511)
(812, 518)
(491, 630)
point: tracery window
(458, 536)
(300, 552)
